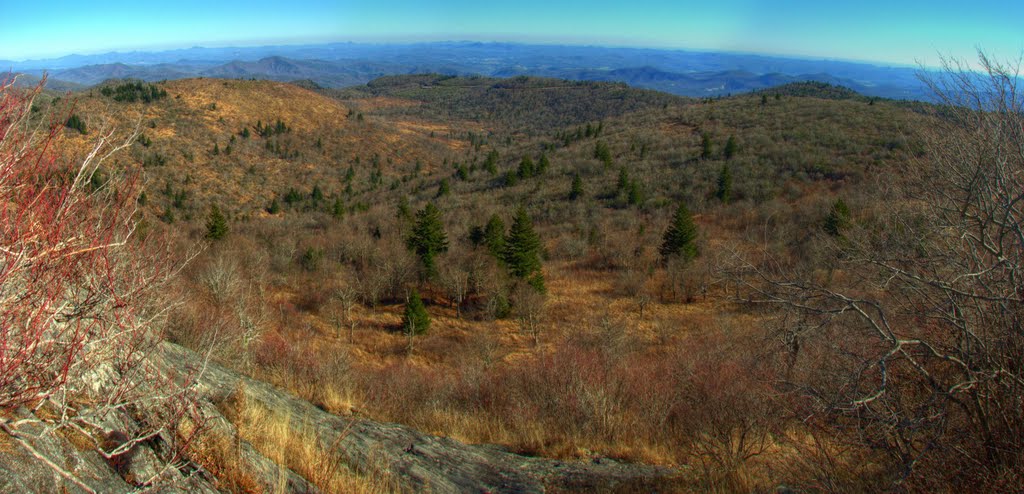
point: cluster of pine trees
(131, 92)
(518, 250)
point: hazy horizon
(412, 42)
(902, 33)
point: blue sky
(893, 31)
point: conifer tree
(491, 165)
(316, 195)
(292, 196)
(838, 218)
(730, 148)
(494, 236)
(681, 237)
(724, 192)
(705, 146)
(275, 207)
(634, 193)
(428, 238)
(338, 208)
(543, 164)
(511, 178)
(576, 191)
(623, 182)
(526, 169)
(443, 188)
(403, 213)
(602, 153)
(415, 319)
(216, 224)
(523, 249)
(76, 122)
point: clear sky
(895, 31)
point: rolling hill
(685, 73)
(625, 352)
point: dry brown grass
(603, 382)
(199, 113)
(678, 385)
(290, 441)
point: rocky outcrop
(418, 462)
(405, 459)
(37, 457)
(24, 468)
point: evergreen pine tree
(576, 191)
(730, 148)
(634, 193)
(443, 188)
(838, 218)
(724, 192)
(494, 236)
(292, 196)
(705, 146)
(511, 178)
(76, 122)
(415, 319)
(428, 238)
(526, 169)
(316, 195)
(602, 153)
(491, 165)
(681, 237)
(523, 249)
(274, 207)
(403, 213)
(623, 182)
(338, 208)
(216, 224)
(168, 215)
(543, 164)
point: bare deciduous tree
(528, 306)
(915, 334)
(80, 296)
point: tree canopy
(428, 237)
(681, 237)
(523, 249)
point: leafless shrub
(81, 296)
(910, 332)
(528, 306)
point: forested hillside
(751, 291)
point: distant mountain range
(687, 73)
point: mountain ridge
(685, 73)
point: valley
(569, 274)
